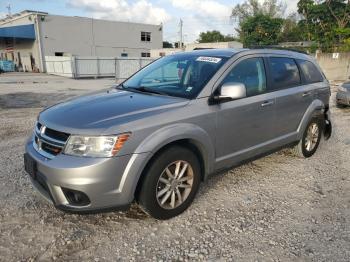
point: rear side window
(310, 71)
(285, 72)
(251, 73)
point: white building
(232, 44)
(156, 53)
(27, 37)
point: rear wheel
(310, 141)
(170, 183)
(340, 105)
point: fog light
(75, 197)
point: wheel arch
(316, 110)
(185, 135)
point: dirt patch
(31, 99)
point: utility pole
(93, 48)
(8, 9)
(180, 33)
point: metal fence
(80, 67)
(59, 65)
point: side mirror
(231, 91)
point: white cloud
(2, 15)
(138, 11)
(291, 6)
(203, 15)
(200, 16)
(203, 7)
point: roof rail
(280, 48)
(204, 48)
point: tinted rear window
(310, 71)
(285, 72)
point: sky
(197, 15)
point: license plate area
(30, 165)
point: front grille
(53, 150)
(56, 134)
(49, 142)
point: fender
(315, 109)
(154, 142)
(179, 131)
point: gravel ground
(278, 208)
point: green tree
(250, 10)
(261, 30)
(305, 8)
(340, 11)
(230, 38)
(214, 36)
(291, 30)
(327, 22)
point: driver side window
(251, 73)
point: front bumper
(343, 98)
(108, 183)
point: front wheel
(310, 141)
(170, 183)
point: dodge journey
(154, 138)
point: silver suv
(155, 137)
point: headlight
(342, 88)
(95, 146)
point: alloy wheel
(311, 138)
(174, 184)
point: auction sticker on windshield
(209, 59)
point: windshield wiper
(146, 89)
(140, 89)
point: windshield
(182, 75)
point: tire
(303, 148)
(154, 179)
(340, 106)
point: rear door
(311, 75)
(293, 97)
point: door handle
(267, 103)
(306, 94)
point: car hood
(95, 113)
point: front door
(245, 126)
